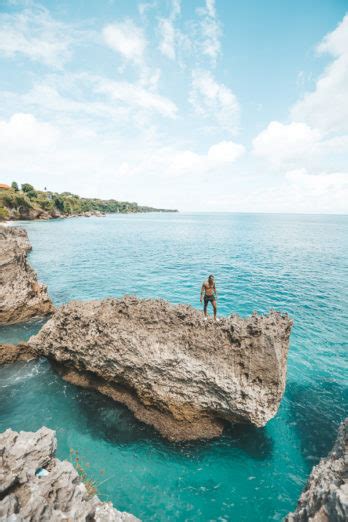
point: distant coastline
(27, 203)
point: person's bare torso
(209, 289)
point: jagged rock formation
(21, 295)
(174, 370)
(10, 353)
(58, 496)
(325, 498)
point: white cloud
(167, 44)
(58, 156)
(200, 36)
(297, 145)
(23, 132)
(35, 34)
(105, 165)
(323, 192)
(326, 108)
(321, 183)
(210, 30)
(136, 96)
(168, 32)
(213, 100)
(297, 191)
(280, 143)
(47, 99)
(146, 6)
(127, 39)
(225, 152)
(218, 155)
(96, 102)
(68, 159)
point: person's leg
(205, 307)
(215, 308)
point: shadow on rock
(111, 421)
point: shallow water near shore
(290, 263)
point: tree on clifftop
(14, 185)
(29, 190)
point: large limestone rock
(58, 496)
(325, 498)
(175, 371)
(21, 295)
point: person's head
(211, 278)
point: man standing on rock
(209, 294)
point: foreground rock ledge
(182, 375)
(22, 297)
(60, 495)
(325, 498)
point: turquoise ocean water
(290, 263)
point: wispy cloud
(136, 96)
(33, 33)
(168, 32)
(210, 28)
(104, 102)
(214, 100)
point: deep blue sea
(292, 263)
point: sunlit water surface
(290, 263)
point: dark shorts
(209, 299)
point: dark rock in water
(21, 295)
(36, 486)
(10, 353)
(325, 498)
(175, 371)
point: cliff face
(325, 498)
(21, 295)
(174, 370)
(59, 495)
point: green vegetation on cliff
(29, 203)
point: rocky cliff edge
(36, 486)
(22, 297)
(181, 374)
(325, 498)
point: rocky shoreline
(325, 498)
(22, 296)
(42, 215)
(34, 485)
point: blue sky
(191, 104)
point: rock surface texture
(325, 498)
(175, 371)
(21, 295)
(10, 353)
(58, 496)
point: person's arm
(202, 292)
(215, 292)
